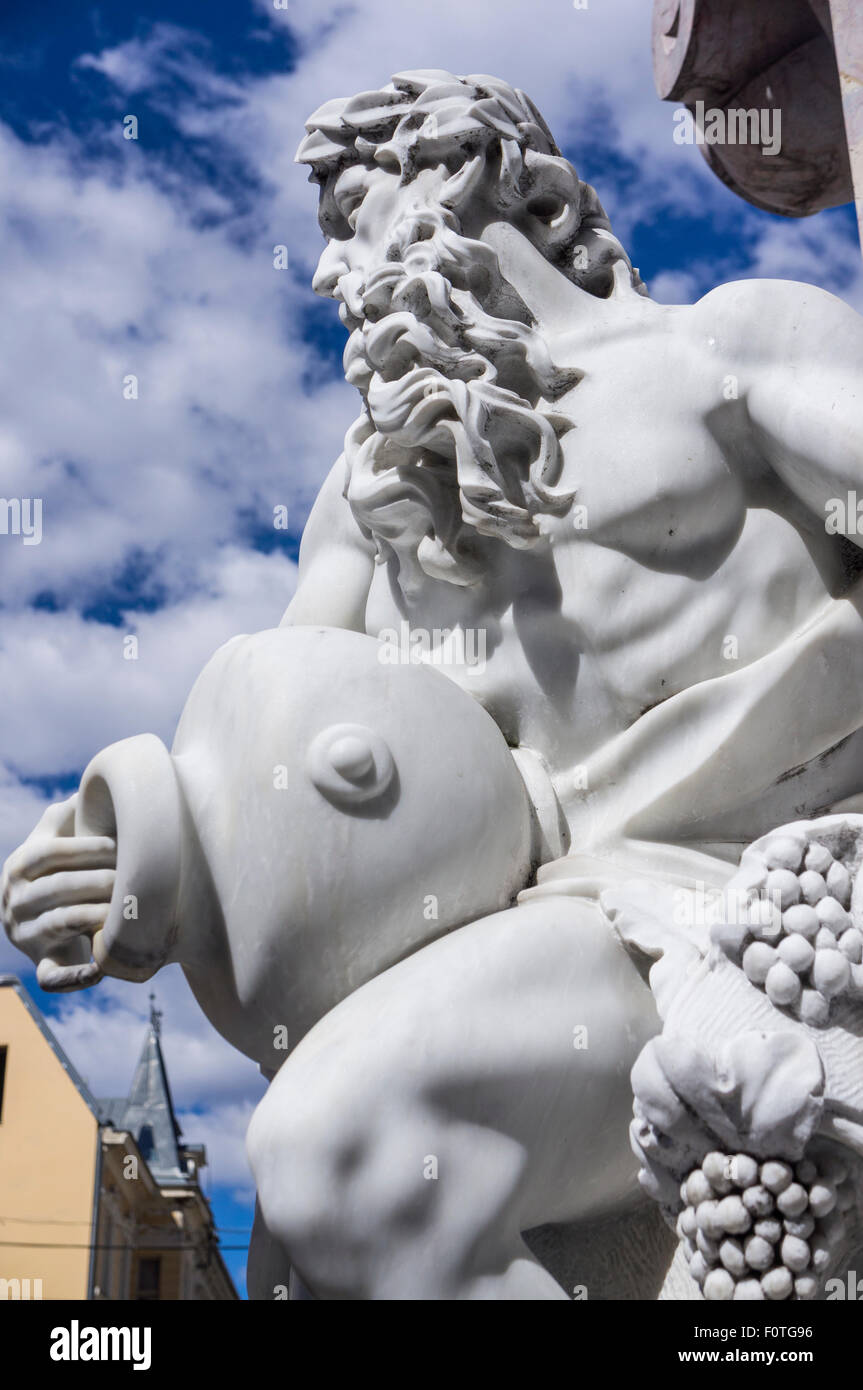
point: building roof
(148, 1112)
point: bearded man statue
(644, 518)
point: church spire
(149, 1111)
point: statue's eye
(549, 210)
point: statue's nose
(331, 267)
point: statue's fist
(54, 894)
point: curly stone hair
(431, 116)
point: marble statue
(524, 856)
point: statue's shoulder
(769, 317)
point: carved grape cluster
(798, 941)
(766, 1230)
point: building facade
(99, 1199)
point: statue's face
(369, 201)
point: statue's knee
(291, 1147)
(341, 1178)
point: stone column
(847, 18)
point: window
(3, 1051)
(146, 1142)
(148, 1279)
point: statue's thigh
(484, 1079)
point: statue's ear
(350, 764)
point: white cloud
(818, 251)
(103, 1031)
(72, 690)
(674, 287)
(105, 275)
(222, 1128)
(168, 50)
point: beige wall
(48, 1147)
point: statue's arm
(802, 388)
(336, 563)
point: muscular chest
(653, 458)
(661, 574)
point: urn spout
(130, 792)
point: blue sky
(155, 257)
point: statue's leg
(268, 1270)
(477, 1090)
(269, 1275)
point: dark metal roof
(148, 1113)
